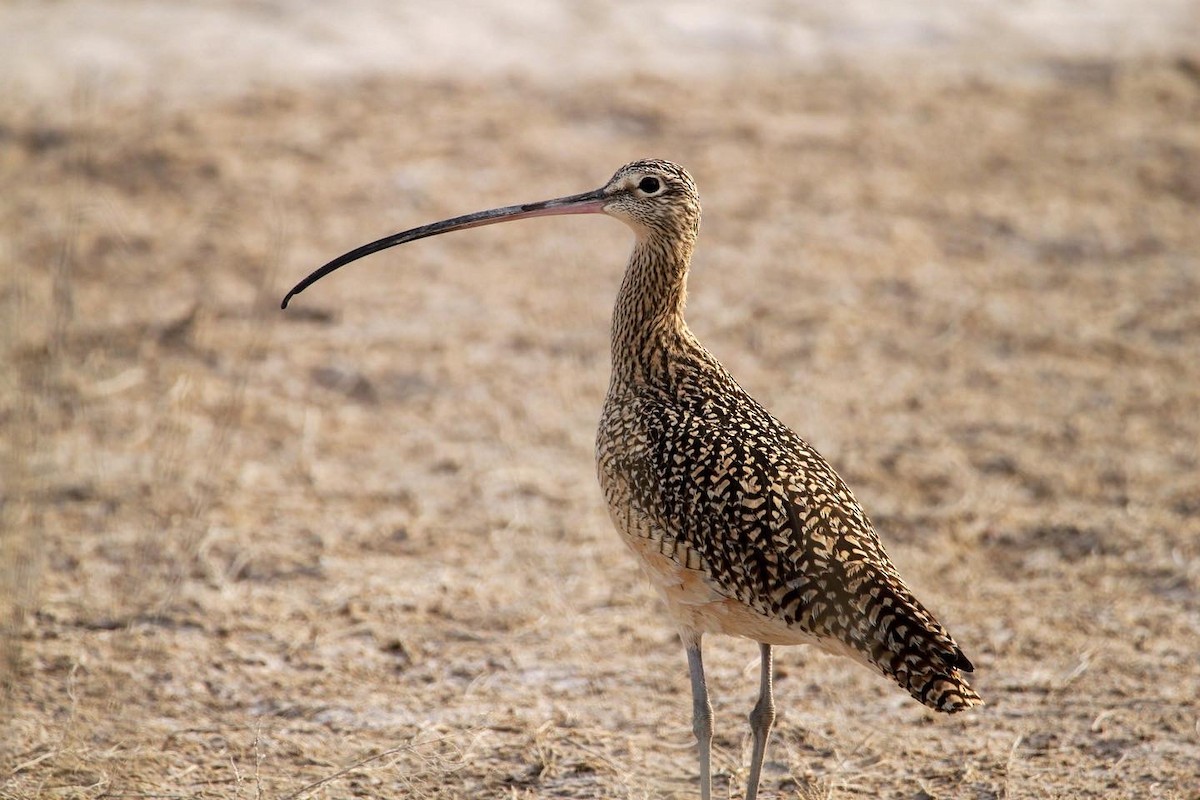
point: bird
(742, 526)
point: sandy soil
(356, 549)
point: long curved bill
(586, 203)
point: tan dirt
(357, 549)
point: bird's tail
(904, 641)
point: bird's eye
(650, 184)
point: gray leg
(702, 714)
(761, 720)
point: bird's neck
(647, 324)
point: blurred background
(357, 548)
(183, 52)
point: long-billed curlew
(738, 522)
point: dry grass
(357, 549)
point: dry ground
(245, 550)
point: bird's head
(653, 196)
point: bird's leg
(761, 720)
(702, 714)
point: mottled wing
(778, 530)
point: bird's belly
(694, 604)
(679, 573)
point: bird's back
(747, 530)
